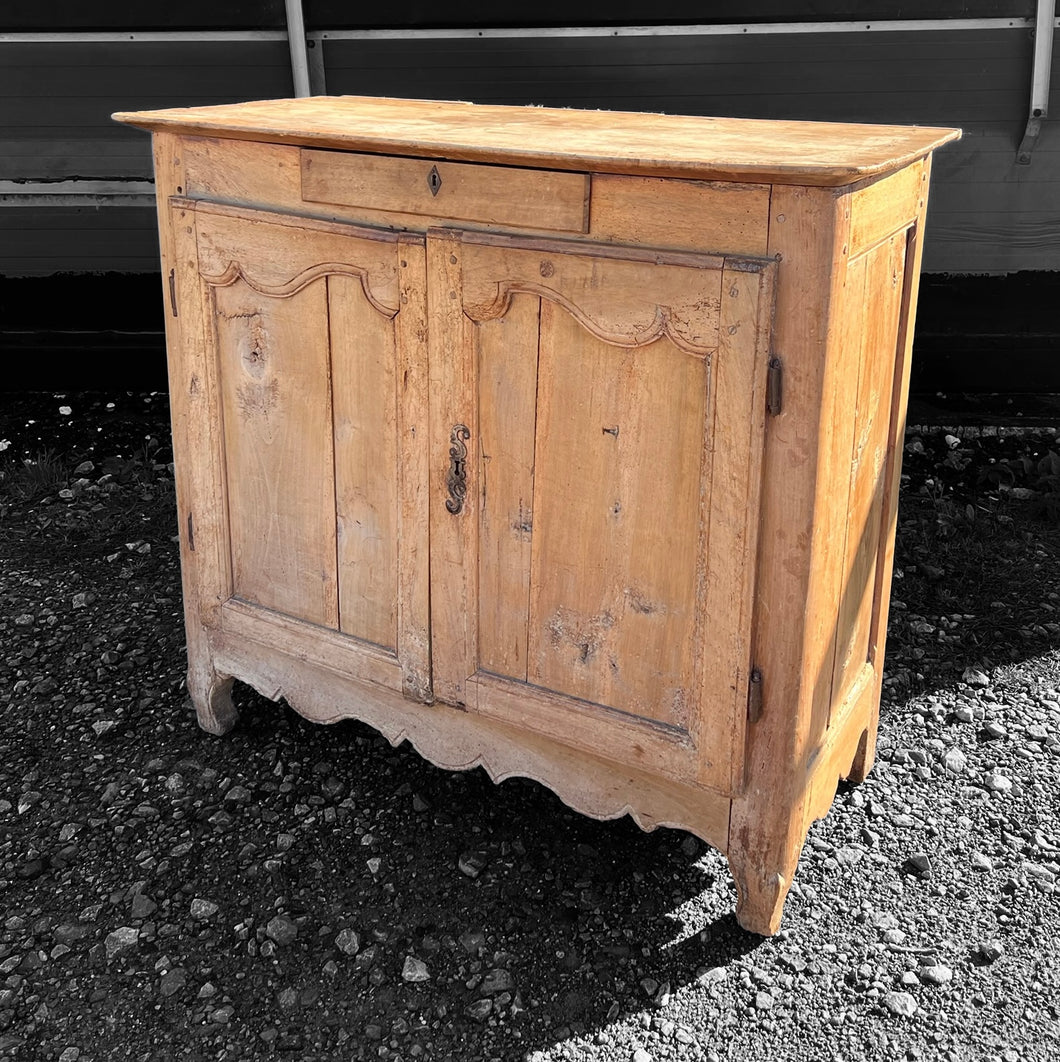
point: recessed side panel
(878, 276)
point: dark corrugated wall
(988, 215)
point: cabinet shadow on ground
(584, 915)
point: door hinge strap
(775, 386)
(173, 291)
(754, 696)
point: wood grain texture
(368, 364)
(729, 149)
(364, 369)
(793, 638)
(237, 171)
(736, 439)
(733, 218)
(453, 536)
(884, 207)
(491, 195)
(617, 502)
(506, 351)
(877, 314)
(197, 445)
(585, 727)
(413, 605)
(269, 175)
(235, 243)
(837, 755)
(892, 470)
(534, 477)
(637, 298)
(302, 641)
(272, 348)
(462, 741)
(279, 461)
(597, 435)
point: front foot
(763, 873)
(760, 901)
(863, 758)
(211, 696)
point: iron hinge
(173, 291)
(775, 386)
(754, 696)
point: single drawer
(557, 201)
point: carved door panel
(318, 344)
(596, 582)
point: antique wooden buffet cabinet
(562, 442)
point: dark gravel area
(308, 892)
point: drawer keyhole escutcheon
(456, 481)
(434, 180)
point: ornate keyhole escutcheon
(456, 480)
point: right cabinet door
(597, 416)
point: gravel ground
(310, 892)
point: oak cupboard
(564, 443)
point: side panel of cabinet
(876, 285)
(597, 582)
(320, 379)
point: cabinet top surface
(662, 145)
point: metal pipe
(146, 37)
(1043, 58)
(77, 192)
(1041, 70)
(726, 30)
(296, 40)
(709, 30)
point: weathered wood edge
(589, 785)
(227, 121)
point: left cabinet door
(313, 347)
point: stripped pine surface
(660, 145)
(610, 506)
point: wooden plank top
(660, 145)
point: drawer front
(683, 215)
(486, 195)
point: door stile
(744, 351)
(202, 434)
(329, 365)
(208, 521)
(541, 312)
(414, 632)
(455, 499)
(696, 730)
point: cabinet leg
(211, 695)
(760, 891)
(864, 757)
